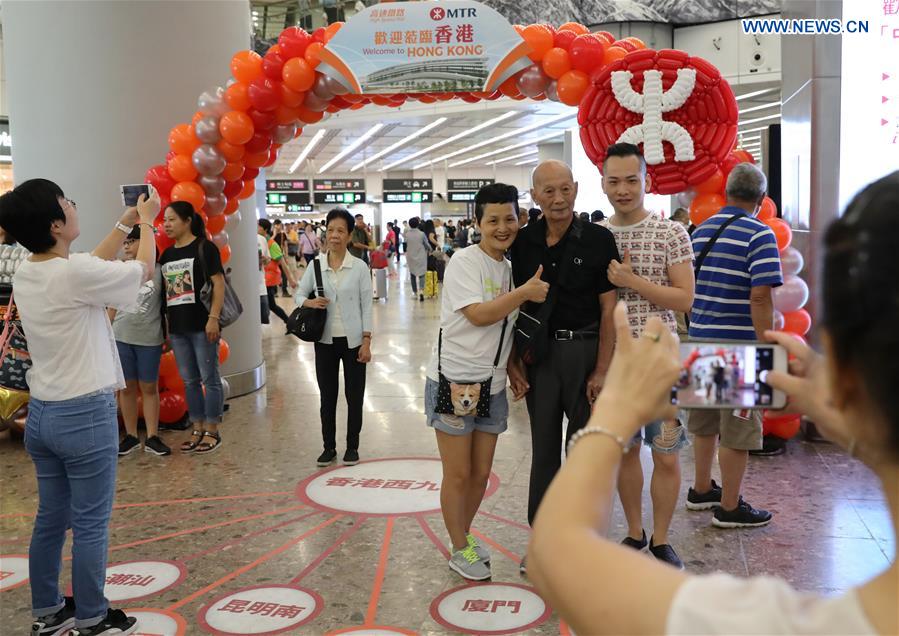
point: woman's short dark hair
(28, 211)
(495, 193)
(340, 213)
(186, 212)
(861, 294)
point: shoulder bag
(308, 323)
(231, 308)
(14, 358)
(708, 246)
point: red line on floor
(166, 502)
(372, 612)
(508, 553)
(324, 555)
(233, 542)
(514, 524)
(249, 566)
(433, 537)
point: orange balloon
(298, 74)
(197, 117)
(249, 187)
(230, 152)
(712, 185)
(285, 115)
(311, 116)
(236, 127)
(312, 52)
(255, 160)
(613, 53)
(224, 348)
(189, 191)
(182, 168)
(246, 66)
(572, 86)
(216, 224)
(705, 206)
(183, 140)
(236, 96)
(167, 365)
(539, 38)
(225, 251)
(233, 171)
(782, 232)
(332, 30)
(768, 210)
(291, 98)
(556, 62)
(232, 205)
(509, 88)
(574, 27)
(797, 322)
(743, 156)
(637, 42)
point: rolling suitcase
(379, 283)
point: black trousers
(558, 387)
(273, 306)
(327, 365)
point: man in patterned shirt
(655, 278)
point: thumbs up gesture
(621, 274)
(535, 290)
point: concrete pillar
(552, 150)
(94, 88)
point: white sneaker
(468, 565)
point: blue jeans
(74, 446)
(198, 365)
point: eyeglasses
(72, 203)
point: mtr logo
(439, 13)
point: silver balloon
(207, 129)
(791, 261)
(315, 103)
(685, 198)
(208, 160)
(283, 134)
(226, 388)
(335, 86)
(212, 102)
(212, 185)
(551, 93)
(215, 204)
(220, 239)
(533, 82)
(233, 220)
(321, 88)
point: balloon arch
(214, 160)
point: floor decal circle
(131, 580)
(490, 608)
(157, 622)
(13, 571)
(266, 609)
(396, 486)
(374, 630)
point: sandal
(207, 447)
(196, 436)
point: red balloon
(232, 188)
(260, 141)
(705, 206)
(262, 121)
(587, 52)
(729, 163)
(158, 176)
(168, 365)
(256, 160)
(272, 157)
(293, 42)
(783, 426)
(320, 35)
(712, 185)
(768, 210)
(272, 63)
(564, 38)
(797, 322)
(249, 187)
(264, 94)
(216, 224)
(163, 242)
(249, 174)
(743, 156)
(224, 351)
(782, 232)
(172, 407)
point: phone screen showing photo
(723, 375)
(131, 193)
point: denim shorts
(662, 439)
(455, 425)
(140, 362)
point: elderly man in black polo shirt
(575, 257)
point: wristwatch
(121, 227)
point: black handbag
(532, 327)
(454, 398)
(308, 323)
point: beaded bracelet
(597, 429)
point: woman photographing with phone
(599, 587)
(465, 391)
(72, 429)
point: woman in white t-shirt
(465, 391)
(599, 587)
(72, 428)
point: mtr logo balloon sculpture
(676, 106)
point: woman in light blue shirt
(347, 334)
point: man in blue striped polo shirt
(733, 302)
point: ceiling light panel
(402, 142)
(764, 91)
(508, 148)
(353, 147)
(511, 157)
(308, 149)
(762, 107)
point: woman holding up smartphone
(72, 430)
(194, 331)
(465, 391)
